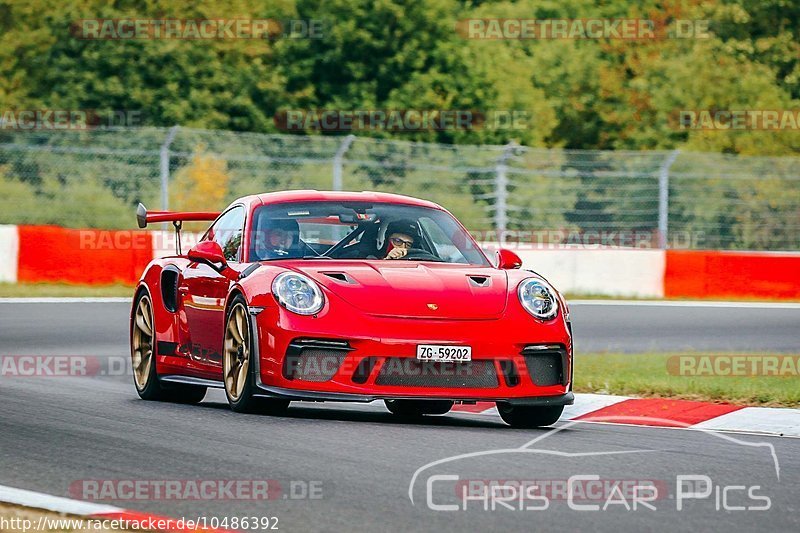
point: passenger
(279, 240)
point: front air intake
(314, 360)
(545, 364)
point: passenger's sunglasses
(400, 243)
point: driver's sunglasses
(400, 243)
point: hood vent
(340, 277)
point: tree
(202, 185)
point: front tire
(528, 417)
(145, 376)
(418, 408)
(237, 365)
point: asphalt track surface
(55, 432)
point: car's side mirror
(208, 252)
(508, 260)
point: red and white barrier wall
(604, 271)
(712, 274)
(669, 273)
(54, 254)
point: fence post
(501, 192)
(338, 160)
(165, 167)
(663, 198)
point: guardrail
(676, 200)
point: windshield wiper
(317, 257)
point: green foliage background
(616, 95)
(393, 54)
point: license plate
(437, 352)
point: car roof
(336, 196)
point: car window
(443, 244)
(327, 232)
(358, 230)
(227, 232)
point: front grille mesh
(404, 371)
(314, 364)
(545, 368)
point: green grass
(30, 290)
(591, 296)
(648, 375)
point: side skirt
(189, 380)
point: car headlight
(538, 298)
(297, 293)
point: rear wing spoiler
(144, 217)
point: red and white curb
(665, 412)
(95, 511)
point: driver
(400, 238)
(278, 240)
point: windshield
(357, 230)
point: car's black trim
(170, 277)
(249, 270)
(364, 370)
(509, 371)
(323, 344)
(314, 396)
(166, 348)
(543, 401)
(191, 380)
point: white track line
(773, 420)
(38, 500)
(720, 424)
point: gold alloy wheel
(142, 353)
(236, 357)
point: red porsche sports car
(339, 296)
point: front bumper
(363, 372)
